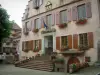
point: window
(49, 20)
(63, 16)
(37, 3)
(81, 11)
(36, 44)
(83, 39)
(64, 41)
(37, 23)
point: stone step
(36, 65)
(40, 68)
(37, 62)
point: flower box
(35, 30)
(63, 25)
(83, 47)
(36, 50)
(81, 21)
(64, 48)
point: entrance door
(48, 44)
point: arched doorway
(71, 61)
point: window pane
(49, 20)
(81, 12)
(64, 41)
(63, 16)
(36, 23)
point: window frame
(36, 26)
(36, 43)
(63, 40)
(47, 20)
(84, 39)
(78, 11)
(60, 16)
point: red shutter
(40, 43)
(70, 41)
(58, 43)
(74, 13)
(31, 44)
(69, 15)
(53, 18)
(57, 18)
(88, 10)
(90, 39)
(75, 41)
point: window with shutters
(81, 11)
(49, 20)
(63, 16)
(37, 23)
(83, 39)
(64, 42)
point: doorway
(48, 44)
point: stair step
(42, 69)
(37, 62)
(37, 65)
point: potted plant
(63, 25)
(72, 68)
(81, 21)
(35, 30)
(83, 47)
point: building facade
(69, 27)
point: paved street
(11, 70)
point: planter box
(81, 22)
(63, 25)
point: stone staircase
(39, 63)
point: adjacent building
(10, 45)
(68, 27)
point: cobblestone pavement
(11, 70)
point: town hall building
(68, 27)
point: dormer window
(37, 3)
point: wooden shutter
(88, 10)
(40, 43)
(53, 18)
(33, 25)
(58, 43)
(70, 41)
(57, 18)
(90, 39)
(74, 13)
(69, 15)
(31, 45)
(75, 41)
(23, 46)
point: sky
(15, 9)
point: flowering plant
(63, 25)
(81, 21)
